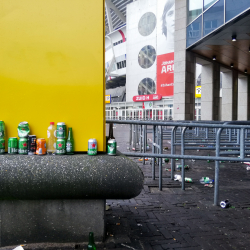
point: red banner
(165, 74)
(142, 98)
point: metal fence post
(130, 135)
(141, 138)
(160, 159)
(242, 143)
(144, 148)
(173, 150)
(183, 160)
(153, 151)
(217, 168)
(134, 139)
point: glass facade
(213, 18)
(234, 8)
(194, 9)
(194, 31)
(204, 16)
(208, 3)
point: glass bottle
(91, 245)
(111, 136)
(70, 143)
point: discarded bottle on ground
(166, 160)
(91, 245)
(206, 180)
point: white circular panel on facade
(147, 24)
(147, 56)
(146, 87)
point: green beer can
(2, 129)
(61, 130)
(111, 147)
(61, 146)
(12, 145)
(2, 145)
(23, 129)
(23, 146)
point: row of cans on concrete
(111, 147)
(26, 145)
(31, 146)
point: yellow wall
(52, 67)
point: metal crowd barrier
(219, 136)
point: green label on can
(61, 146)
(61, 131)
(2, 143)
(111, 147)
(2, 129)
(92, 151)
(23, 146)
(23, 129)
(12, 150)
(12, 145)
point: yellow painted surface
(52, 67)
(198, 92)
(108, 99)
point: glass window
(208, 3)
(194, 9)
(213, 18)
(147, 24)
(233, 8)
(194, 31)
(147, 56)
(146, 87)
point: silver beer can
(92, 147)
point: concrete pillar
(184, 71)
(243, 98)
(229, 95)
(235, 95)
(210, 85)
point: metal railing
(189, 135)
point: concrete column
(229, 95)
(184, 72)
(235, 95)
(243, 99)
(210, 85)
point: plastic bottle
(206, 180)
(51, 138)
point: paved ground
(176, 219)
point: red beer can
(41, 146)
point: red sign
(142, 98)
(165, 74)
